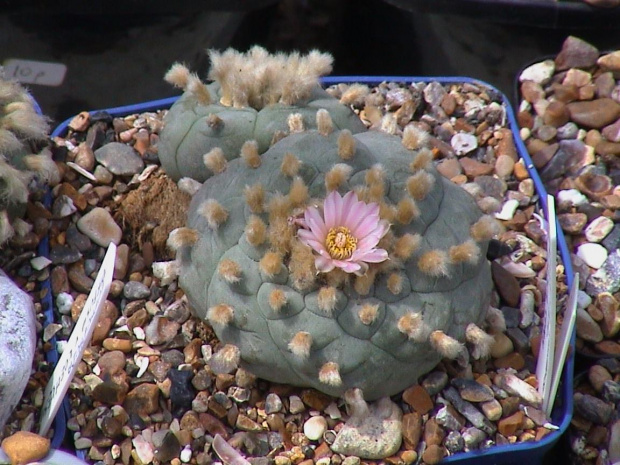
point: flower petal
(315, 222)
(306, 237)
(349, 199)
(348, 266)
(373, 256)
(330, 209)
(323, 264)
(355, 216)
(366, 226)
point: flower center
(340, 243)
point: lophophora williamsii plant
(245, 109)
(25, 161)
(338, 261)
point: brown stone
(576, 53)
(315, 400)
(510, 405)
(609, 306)
(509, 426)
(572, 223)
(433, 432)
(59, 280)
(532, 91)
(514, 360)
(506, 284)
(502, 345)
(113, 343)
(412, 430)
(597, 375)
(110, 392)
(143, 399)
(78, 199)
(556, 114)
(78, 278)
(610, 61)
(565, 92)
(433, 454)
(449, 167)
(25, 447)
(594, 113)
(544, 155)
(474, 168)
(608, 347)
(417, 397)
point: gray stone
(119, 159)
(606, 278)
(592, 408)
(468, 410)
(373, 431)
(17, 344)
(135, 290)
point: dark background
(117, 52)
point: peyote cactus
(23, 155)
(255, 99)
(305, 286)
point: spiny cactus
(256, 98)
(340, 261)
(23, 157)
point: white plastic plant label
(79, 340)
(43, 73)
(546, 355)
(563, 341)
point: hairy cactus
(254, 100)
(341, 261)
(24, 159)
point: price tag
(79, 340)
(544, 369)
(43, 73)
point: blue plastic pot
(525, 452)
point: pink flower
(346, 235)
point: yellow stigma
(340, 243)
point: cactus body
(376, 332)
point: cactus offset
(25, 160)
(255, 99)
(326, 309)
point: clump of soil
(151, 211)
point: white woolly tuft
(177, 75)
(301, 344)
(447, 346)
(481, 341)
(181, 237)
(330, 374)
(188, 185)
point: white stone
(144, 450)
(463, 143)
(525, 133)
(100, 227)
(572, 196)
(296, 405)
(540, 72)
(598, 229)
(186, 454)
(314, 427)
(594, 255)
(167, 272)
(508, 210)
(17, 344)
(583, 299)
(64, 302)
(39, 263)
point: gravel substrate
(570, 122)
(144, 391)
